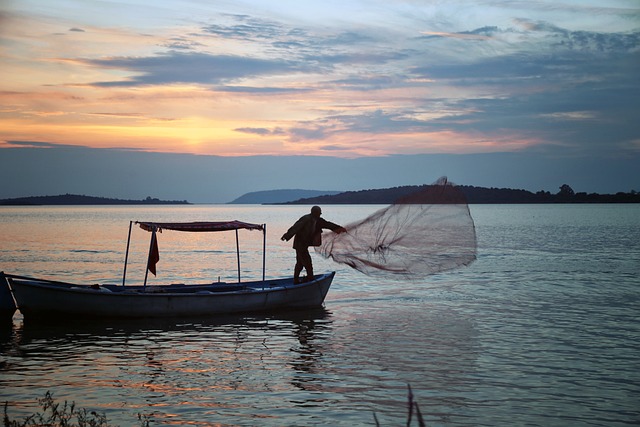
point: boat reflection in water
(167, 360)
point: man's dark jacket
(307, 231)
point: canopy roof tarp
(199, 226)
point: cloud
(35, 144)
(249, 28)
(568, 88)
(581, 40)
(255, 29)
(367, 82)
(326, 47)
(190, 67)
(355, 58)
(301, 52)
(483, 34)
(262, 131)
(585, 117)
(565, 76)
(378, 122)
(75, 29)
(182, 43)
(333, 148)
(313, 133)
(260, 90)
(374, 123)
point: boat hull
(43, 298)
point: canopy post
(238, 253)
(126, 255)
(264, 249)
(146, 271)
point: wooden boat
(40, 297)
(48, 298)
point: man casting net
(426, 232)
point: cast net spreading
(426, 232)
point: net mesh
(424, 233)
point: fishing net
(426, 232)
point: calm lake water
(542, 330)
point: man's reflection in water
(311, 333)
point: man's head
(316, 211)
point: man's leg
(308, 265)
(299, 266)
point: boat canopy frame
(201, 227)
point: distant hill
(279, 196)
(474, 195)
(377, 196)
(74, 199)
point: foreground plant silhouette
(66, 415)
(412, 405)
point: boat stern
(7, 303)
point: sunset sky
(346, 79)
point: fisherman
(308, 232)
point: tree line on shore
(475, 195)
(75, 199)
